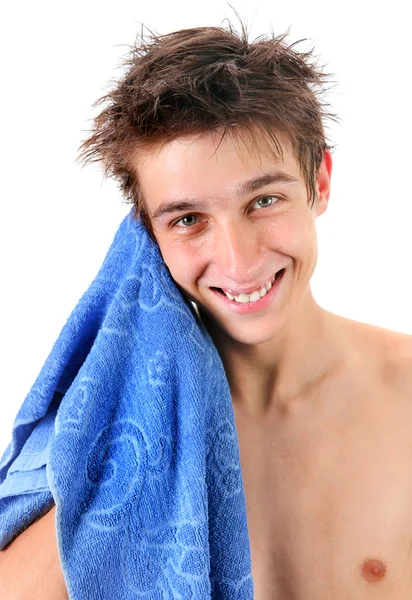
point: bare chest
(329, 502)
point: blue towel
(129, 429)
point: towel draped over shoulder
(129, 429)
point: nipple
(373, 570)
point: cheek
(294, 236)
(182, 261)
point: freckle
(373, 570)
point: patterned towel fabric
(129, 429)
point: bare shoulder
(391, 343)
(396, 360)
(392, 347)
(30, 565)
(389, 352)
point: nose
(237, 252)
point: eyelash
(175, 224)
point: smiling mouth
(254, 296)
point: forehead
(209, 165)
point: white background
(57, 219)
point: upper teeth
(253, 297)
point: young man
(220, 145)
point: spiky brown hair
(204, 79)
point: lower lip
(251, 307)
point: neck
(306, 352)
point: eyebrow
(246, 187)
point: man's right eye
(186, 224)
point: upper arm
(30, 565)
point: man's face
(227, 217)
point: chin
(247, 334)
(250, 338)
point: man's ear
(322, 183)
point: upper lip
(251, 288)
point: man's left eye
(264, 203)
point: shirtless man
(322, 404)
